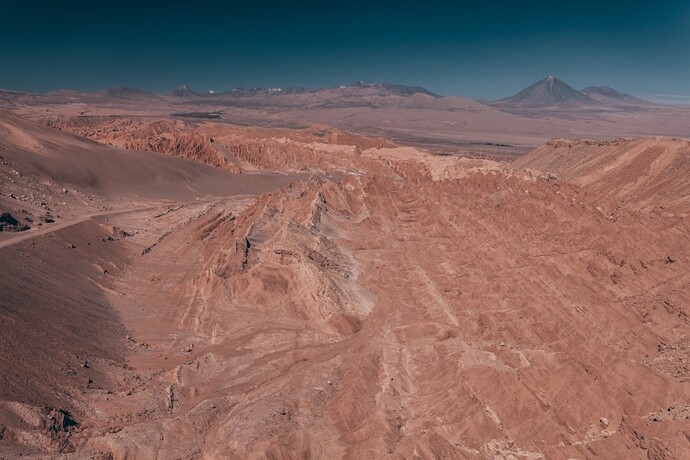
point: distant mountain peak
(601, 89)
(124, 92)
(548, 92)
(606, 94)
(394, 89)
(183, 91)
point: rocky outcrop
(9, 224)
(632, 174)
(173, 138)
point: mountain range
(551, 92)
(359, 87)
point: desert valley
(362, 271)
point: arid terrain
(360, 272)
(406, 115)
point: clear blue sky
(483, 49)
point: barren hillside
(404, 305)
(634, 174)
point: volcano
(547, 93)
(609, 96)
(183, 91)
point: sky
(481, 49)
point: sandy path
(35, 232)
